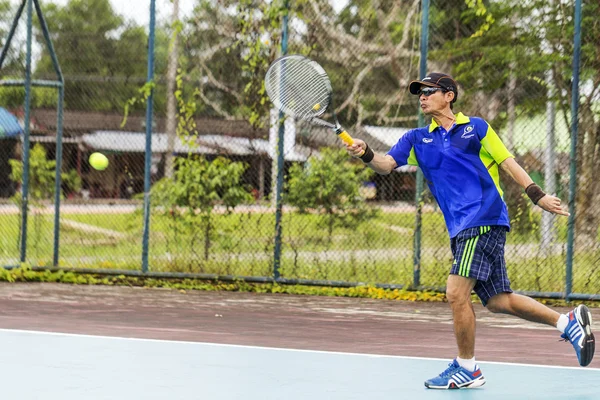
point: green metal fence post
(419, 177)
(280, 162)
(59, 131)
(148, 151)
(26, 144)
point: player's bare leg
(575, 325)
(462, 372)
(523, 307)
(458, 292)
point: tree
(487, 51)
(329, 184)
(171, 85)
(103, 58)
(228, 55)
(524, 42)
(191, 196)
(15, 56)
(370, 50)
(41, 184)
(13, 66)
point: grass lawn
(377, 251)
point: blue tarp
(9, 124)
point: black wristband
(368, 155)
(534, 192)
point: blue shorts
(479, 254)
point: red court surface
(282, 321)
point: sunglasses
(429, 91)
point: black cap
(436, 79)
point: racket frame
(336, 127)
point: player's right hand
(357, 148)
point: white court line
(280, 349)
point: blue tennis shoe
(456, 377)
(579, 333)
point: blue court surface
(36, 365)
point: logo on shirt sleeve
(467, 133)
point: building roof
(387, 136)
(78, 122)
(135, 142)
(217, 136)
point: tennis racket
(300, 88)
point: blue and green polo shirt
(461, 170)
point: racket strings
(298, 88)
(303, 96)
(299, 91)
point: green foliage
(377, 251)
(26, 273)
(5, 12)
(330, 184)
(198, 187)
(257, 19)
(500, 43)
(41, 185)
(41, 97)
(41, 175)
(232, 51)
(102, 56)
(481, 11)
(16, 52)
(143, 94)
(187, 108)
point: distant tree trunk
(207, 229)
(171, 101)
(261, 178)
(510, 129)
(547, 226)
(586, 223)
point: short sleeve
(494, 146)
(403, 151)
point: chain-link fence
(214, 167)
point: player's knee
(457, 296)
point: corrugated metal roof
(385, 135)
(389, 137)
(135, 142)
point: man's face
(434, 99)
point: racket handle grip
(346, 138)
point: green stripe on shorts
(467, 257)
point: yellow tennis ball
(317, 107)
(99, 161)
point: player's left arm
(507, 162)
(546, 201)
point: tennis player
(460, 157)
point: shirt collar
(460, 119)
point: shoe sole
(584, 317)
(468, 385)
